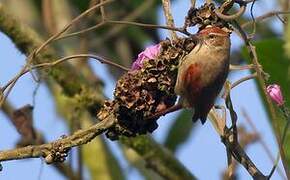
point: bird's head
(214, 36)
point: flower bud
(274, 91)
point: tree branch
(50, 150)
(168, 17)
(62, 168)
(227, 137)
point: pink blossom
(274, 91)
(150, 52)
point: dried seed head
(141, 93)
(204, 16)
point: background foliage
(77, 89)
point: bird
(203, 71)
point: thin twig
(233, 114)
(233, 16)
(238, 82)
(56, 62)
(138, 11)
(168, 17)
(103, 13)
(253, 19)
(193, 2)
(281, 19)
(34, 53)
(265, 16)
(235, 148)
(261, 141)
(181, 30)
(244, 67)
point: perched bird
(202, 72)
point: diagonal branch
(62, 168)
(62, 145)
(227, 137)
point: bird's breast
(191, 84)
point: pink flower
(275, 93)
(150, 52)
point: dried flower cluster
(140, 93)
(148, 87)
(203, 17)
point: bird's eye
(211, 36)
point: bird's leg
(173, 108)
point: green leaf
(179, 131)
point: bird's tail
(197, 115)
